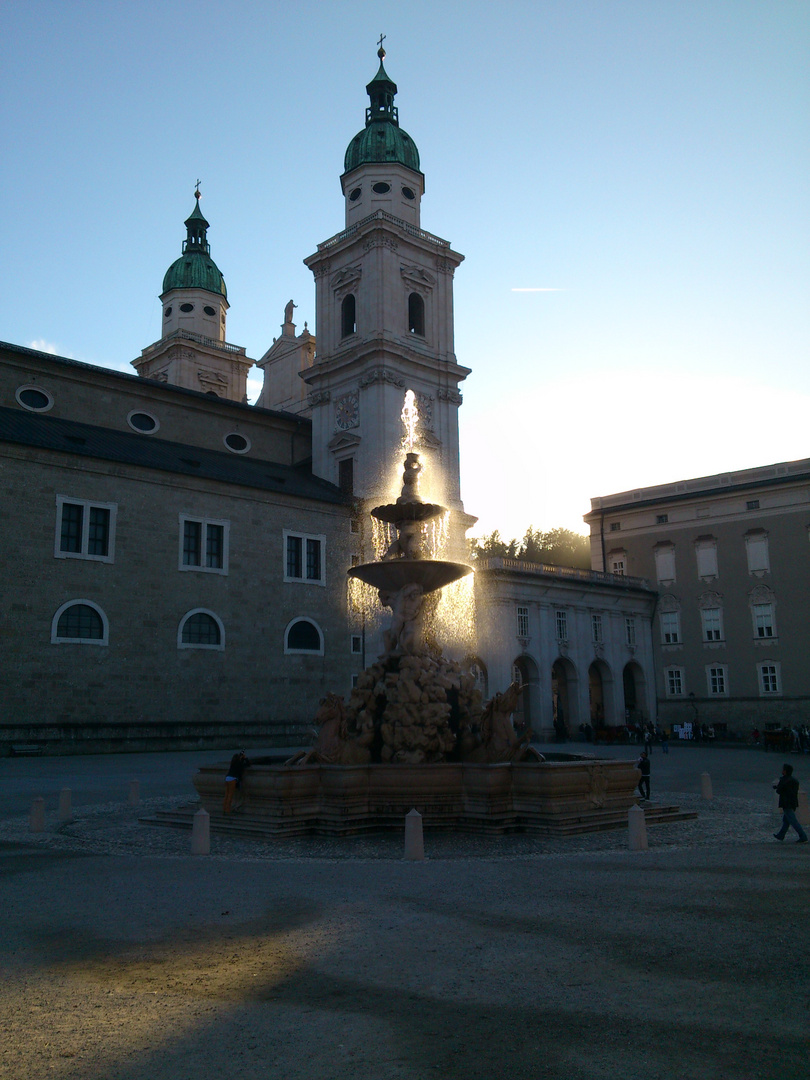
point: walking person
(788, 791)
(665, 741)
(233, 779)
(643, 763)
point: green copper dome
(195, 269)
(382, 139)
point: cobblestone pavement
(127, 958)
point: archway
(634, 693)
(527, 714)
(564, 698)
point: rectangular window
(630, 631)
(661, 519)
(615, 526)
(752, 504)
(304, 558)
(561, 619)
(769, 679)
(204, 545)
(670, 627)
(716, 679)
(665, 564)
(596, 629)
(756, 550)
(706, 551)
(712, 619)
(763, 620)
(617, 562)
(523, 622)
(357, 643)
(84, 530)
(674, 681)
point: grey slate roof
(106, 444)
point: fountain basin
(395, 574)
(553, 798)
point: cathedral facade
(180, 556)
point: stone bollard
(414, 841)
(36, 822)
(134, 792)
(65, 811)
(201, 834)
(705, 786)
(637, 829)
(803, 810)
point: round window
(186, 307)
(167, 312)
(381, 188)
(238, 443)
(209, 310)
(30, 397)
(408, 193)
(355, 194)
(142, 422)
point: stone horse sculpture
(499, 741)
(334, 745)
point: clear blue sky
(648, 159)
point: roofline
(571, 574)
(169, 387)
(741, 480)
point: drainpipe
(602, 541)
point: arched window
(80, 622)
(303, 636)
(201, 629)
(348, 316)
(416, 314)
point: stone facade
(729, 556)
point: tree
(557, 547)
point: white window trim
(755, 540)
(630, 631)
(597, 629)
(226, 544)
(140, 431)
(193, 644)
(762, 639)
(286, 533)
(778, 668)
(241, 435)
(104, 640)
(682, 672)
(302, 618)
(522, 617)
(678, 636)
(662, 554)
(724, 669)
(713, 641)
(40, 390)
(87, 504)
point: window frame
(105, 625)
(630, 631)
(597, 629)
(670, 675)
(561, 624)
(664, 555)
(289, 534)
(87, 506)
(303, 652)
(722, 674)
(204, 524)
(707, 548)
(770, 616)
(670, 637)
(220, 647)
(522, 621)
(756, 543)
(705, 630)
(774, 669)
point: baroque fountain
(415, 733)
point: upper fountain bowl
(395, 574)
(407, 511)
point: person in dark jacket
(233, 780)
(643, 763)
(788, 791)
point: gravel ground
(127, 958)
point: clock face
(347, 411)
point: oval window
(354, 195)
(30, 397)
(209, 310)
(167, 312)
(186, 307)
(238, 443)
(408, 193)
(381, 188)
(142, 422)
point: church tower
(384, 320)
(192, 350)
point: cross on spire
(381, 50)
(197, 189)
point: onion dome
(195, 269)
(382, 139)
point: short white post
(36, 822)
(201, 834)
(134, 792)
(803, 810)
(414, 841)
(65, 811)
(705, 785)
(637, 829)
